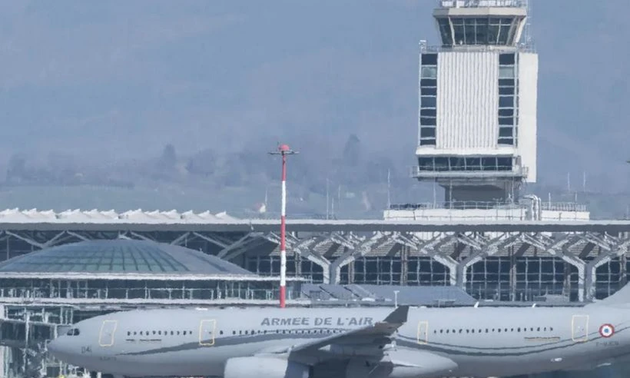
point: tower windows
(508, 100)
(458, 163)
(445, 32)
(428, 99)
(429, 59)
(477, 30)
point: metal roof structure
(121, 257)
(387, 294)
(138, 220)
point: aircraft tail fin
(621, 297)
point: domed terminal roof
(121, 256)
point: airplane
(399, 342)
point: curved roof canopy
(121, 256)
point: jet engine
(402, 364)
(267, 367)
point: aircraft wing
(365, 341)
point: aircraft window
(545, 329)
(159, 332)
(551, 329)
(172, 333)
(493, 329)
(135, 333)
(506, 330)
(233, 332)
(480, 331)
(441, 331)
(246, 332)
(220, 332)
(518, 330)
(538, 329)
(486, 330)
(447, 331)
(512, 330)
(73, 332)
(128, 333)
(499, 330)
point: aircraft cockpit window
(73, 332)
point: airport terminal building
(45, 291)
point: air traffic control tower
(477, 112)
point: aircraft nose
(53, 346)
(57, 348)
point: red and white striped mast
(283, 150)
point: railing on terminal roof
(483, 3)
(487, 205)
(562, 206)
(459, 205)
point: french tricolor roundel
(607, 330)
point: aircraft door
(207, 329)
(423, 332)
(579, 328)
(106, 336)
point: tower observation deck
(477, 108)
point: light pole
(283, 150)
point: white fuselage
(481, 341)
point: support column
(490, 249)
(623, 270)
(404, 268)
(513, 280)
(590, 281)
(581, 267)
(450, 263)
(303, 249)
(351, 254)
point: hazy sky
(122, 78)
